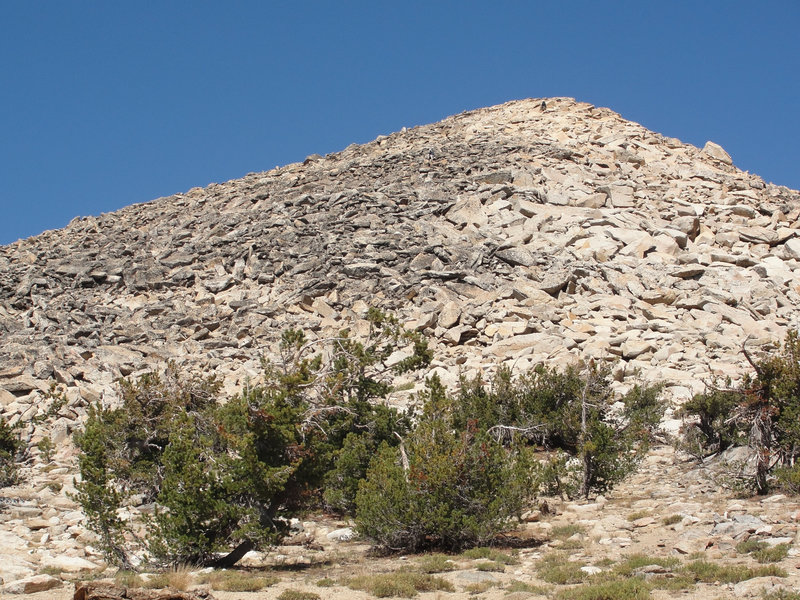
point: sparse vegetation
(634, 588)
(45, 446)
(562, 532)
(404, 584)
(763, 552)
(10, 448)
(709, 572)
(292, 594)
(631, 563)
(128, 579)
(479, 587)
(490, 566)
(492, 554)
(520, 586)
(230, 580)
(671, 520)
(435, 563)
(762, 411)
(558, 569)
(178, 578)
(639, 514)
(781, 595)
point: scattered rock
(32, 584)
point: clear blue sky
(106, 103)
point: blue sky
(103, 103)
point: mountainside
(509, 233)
(523, 233)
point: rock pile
(507, 234)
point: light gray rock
(344, 534)
(31, 585)
(716, 151)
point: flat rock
(32, 585)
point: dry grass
(404, 584)
(177, 578)
(238, 581)
(435, 563)
(490, 554)
(292, 594)
(558, 569)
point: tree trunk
(234, 556)
(587, 459)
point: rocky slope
(518, 233)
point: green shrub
(444, 488)
(634, 588)
(10, 448)
(763, 552)
(226, 478)
(492, 554)
(708, 572)
(763, 411)
(435, 563)
(520, 586)
(558, 569)
(711, 429)
(562, 532)
(571, 412)
(45, 446)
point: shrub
(444, 488)
(763, 410)
(558, 569)
(490, 554)
(763, 552)
(708, 572)
(435, 563)
(634, 588)
(45, 446)
(711, 430)
(292, 594)
(10, 448)
(226, 478)
(403, 584)
(238, 581)
(568, 411)
(179, 578)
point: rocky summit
(534, 231)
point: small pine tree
(762, 411)
(445, 487)
(568, 412)
(10, 447)
(226, 478)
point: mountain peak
(541, 229)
